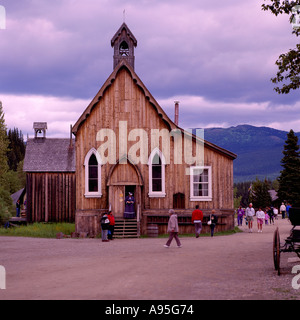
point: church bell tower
(124, 43)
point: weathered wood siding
(51, 197)
(124, 100)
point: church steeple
(123, 43)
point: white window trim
(157, 194)
(200, 198)
(87, 193)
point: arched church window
(92, 165)
(156, 174)
(93, 174)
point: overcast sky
(215, 57)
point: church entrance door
(124, 178)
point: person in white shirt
(275, 210)
(250, 213)
(282, 210)
(260, 215)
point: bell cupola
(124, 43)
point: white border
(157, 194)
(200, 198)
(88, 194)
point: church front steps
(126, 228)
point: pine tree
(260, 196)
(6, 207)
(289, 180)
(242, 193)
(3, 146)
(16, 148)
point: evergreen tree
(3, 147)
(242, 193)
(289, 180)
(260, 196)
(236, 199)
(6, 207)
(16, 148)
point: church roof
(161, 113)
(129, 34)
(108, 82)
(49, 155)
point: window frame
(162, 193)
(209, 183)
(87, 193)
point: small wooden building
(50, 178)
(125, 142)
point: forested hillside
(259, 150)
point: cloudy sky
(215, 57)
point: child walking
(240, 215)
(266, 218)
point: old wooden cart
(292, 242)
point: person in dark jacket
(18, 208)
(104, 227)
(129, 212)
(214, 220)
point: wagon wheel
(276, 251)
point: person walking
(173, 229)
(260, 215)
(250, 213)
(282, 210)
(266, 217)
(275, 211)
(240, 215)
(104, 227)
(287, 208)
(111, 226)
(213, 220)
(271, 215)
(197, 217)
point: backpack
(104, 222)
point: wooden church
(125, 143)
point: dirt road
(239, 266)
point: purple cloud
(217, 56)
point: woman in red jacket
(197, 217)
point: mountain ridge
(258, 149)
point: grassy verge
(223, 233)
(49, 230)
(39, 230)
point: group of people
(197, 220)
(108, 220)
(284, 210)
(108, 224)
(266, 216)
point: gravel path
(239, 266)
